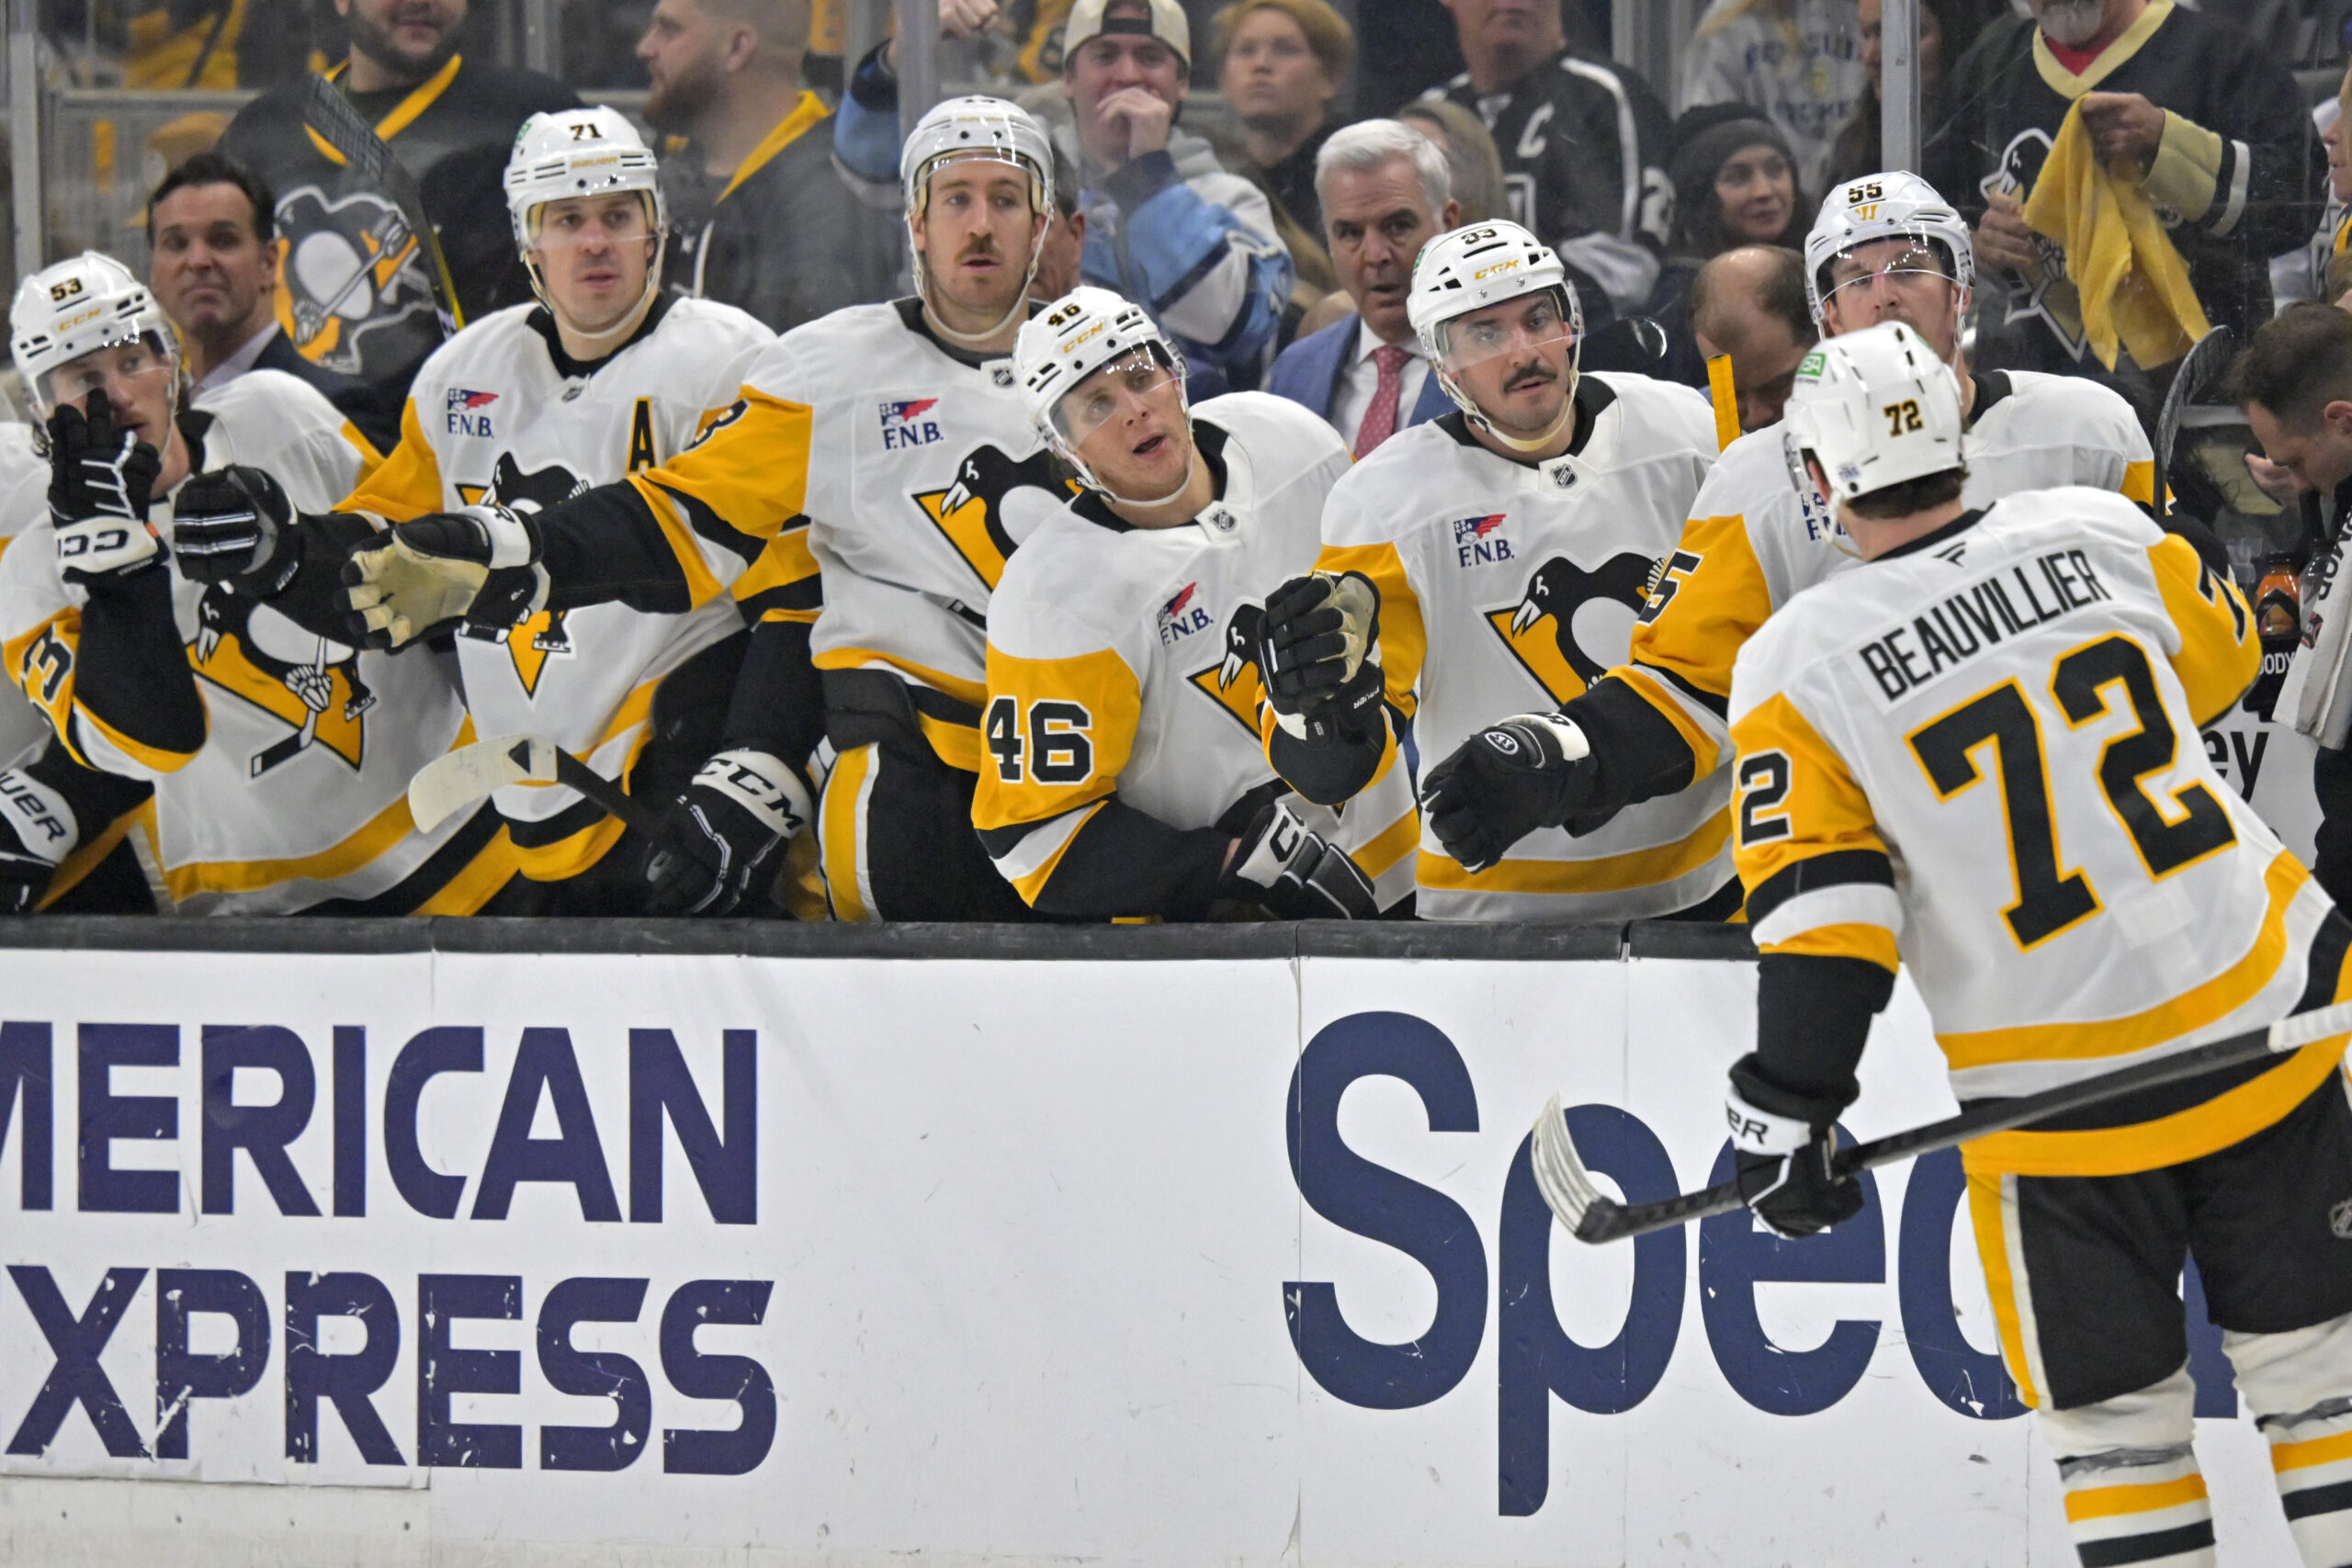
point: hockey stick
(450, 783)
(329, 113)
(1722, 392)
(1593, 1216)
(2207, 359)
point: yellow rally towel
(2133, 284)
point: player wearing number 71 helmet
(1976, 755)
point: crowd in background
(1309, 172)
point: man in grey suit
(1385, 191)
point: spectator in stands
(1750, 303)
(1064, 246)
(1470, 155)
(1571, 129)
(760, 218)
(358, 297)
(2181, 111)
(1734, 179)
(1385, 191)
(2302, 274)
(1798, 60)
(1166, 224)
(212, 239)
(1280, 63)
(1946, 30)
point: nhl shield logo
(2339, 1220)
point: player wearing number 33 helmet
(1975, 754)
(1492, 562)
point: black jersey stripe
(1837, 869)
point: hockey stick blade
(450, 783)
(2203, 365)
(1570, 1192)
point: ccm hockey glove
(100, 482)
(1283, 866)
(1312, 649)
(479, 565)
(235, 525)
(748, 806)
(1782, 1143)
(1512, 777)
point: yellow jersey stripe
(2107, 1502)
(844, 792)
(1875, 943)
(2285, 1457)
(1604, 874)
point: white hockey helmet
(1891, 205)
(1084, 331)
(1470, 268)
(976, 127)
(1874, 408)
(78, 307)
(578, 152)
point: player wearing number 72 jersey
(1976, 754)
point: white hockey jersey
(1507, 587)
(24, 487)
(1980, 752)
(297, 798)
(498, 413)
(1752, 545)
(1130, 655)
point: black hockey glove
(479, 565)
(1512, 777)
(37, 832)
(1312, 655)
(1284, 866)
(1781, 1144)
(748, 806)
(100, 482)
(235, 525)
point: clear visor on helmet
(1906, 264)
(1530, 323)
(126, 370)
(1011, 166)
(1110, 392)
(610, 218)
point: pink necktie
(1380, 419)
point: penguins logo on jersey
(534, 641)
(311, 684)
(351, 268)
(1233, 682)
(970, 513)
(2047, 294)
(1541, 630)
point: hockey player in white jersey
(1487, 564)
(1125, 776)
(605, 376)
(280, 759)
(1976, 755)
(889, 445)
(1884, 249)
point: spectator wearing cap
(1800, 62)
(760, 217)
(1280, 63)
(213, 259)
(1385, 191)
(1167, 225)
(1736, 176)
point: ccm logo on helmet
(1083, 336)
(1485, 272)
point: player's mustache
(1533, 376)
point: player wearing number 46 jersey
(1125, 776)
(1976, 755)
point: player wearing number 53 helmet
(1123, 775)
(1975, 754)
(1498, 557)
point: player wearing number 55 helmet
(1976, 755)
(885, 443)
(605, 376)
(1123, 775)
(1489, 566)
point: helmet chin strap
(1474, 415)
(1092, 481)
(1020, 300)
